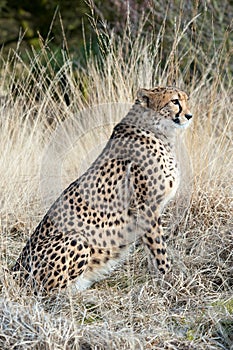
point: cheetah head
(170, 102)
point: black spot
(42, 277)
(77, 256)
(150, 239)
(51, 282)
(39, 248)
(57, 248)
(51, 265)
(154, 207)
(73, 242)
(120, 235)
(73, 277)
(72, 272)
(96, 261)
(159, 198)
(161, 269)
(58, 237)
(80, 264)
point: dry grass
(46, 144)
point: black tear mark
(180, 110)
(147, 100)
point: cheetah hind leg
(67, 263)
(101, 264)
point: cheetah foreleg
(154, 241)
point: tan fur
(89, 229)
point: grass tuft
(46, 140)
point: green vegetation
(48, 89)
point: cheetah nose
(188, 116)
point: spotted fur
(87, 232)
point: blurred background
(69, 70)
(62, 23)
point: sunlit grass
(131, 309)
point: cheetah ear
(144, 96)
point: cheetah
(89, 229)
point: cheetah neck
(149, 120)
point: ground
(192, 307)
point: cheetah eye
(176, 101)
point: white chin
(182, 126)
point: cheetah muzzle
(89, 229)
